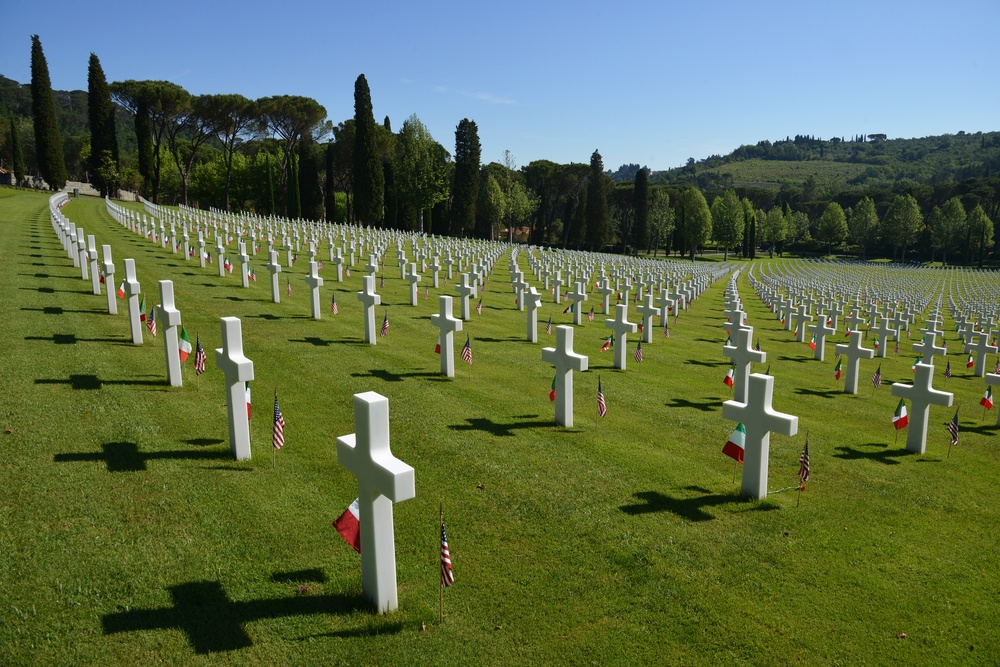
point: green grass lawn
(773, 173)
(128, 534)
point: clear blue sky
(646, 82)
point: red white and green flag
(728, 380)
(736, 444)
(899, 419)
(608, 344)
(915, 362)
(837, 369)
(970, 363)
(987, 400)
(184, 345)
(121, 290)
(348, 527)
(552, 391)
(142, 310)
(812, 343)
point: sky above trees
(651, 83)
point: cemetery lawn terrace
(128, 533)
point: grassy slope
(773, 173)
(624, 544)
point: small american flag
(447, 574)
(953, 428)
(381, 281)
(151, 321)
(877, 378)
(467, 352)
(602, 406)
(996, 369)
(804, 465)
(590, 318)
(279, 425)
(666, 330)
(288, 288)
(385, 326)
(947, 370)
(348, 269)
(199, 357)
(548, 327)
(427, 292)
(895, 349)
(479, 307)
(333, 305)
(638, 352)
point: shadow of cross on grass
(692, 508)
(71, 339)
(92, 382)
(502, 430)
(213, 623)
(882, 455)
(126, 457)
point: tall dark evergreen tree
(640, 232)
(17, 154)
(391, 214)
(465, 190)
(144, 137)
(101, 114)
(329, 188)
(310, 193)
(597, 204)
(48, 142)
(368, 179)
(293, 208)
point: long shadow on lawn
(502, 430)
(703, 406)
(881, 455)
(798, 360)
(709, 364)
(126, 457)
(52, 290)
(71, 339)
(92, 382)
(213, 623)
(832, 393)
(500, 340)
(692, 508)
(57, 310)
(398, 377)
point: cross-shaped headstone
(92, 259)
(244, 264)
(882, 332)
(855, 321)
(742, 354)
(170, 319)
(520, 286)
(382, 480)
(994, 380)
(289, 252)
(821, 330)
(566, 361)
(605, 290)
(449, 263)
(922, 395)
(81, 254)
(557, 284)
(665, 306)
(109, 280)
(220, 255)
(759, 419)
(413, 278)
(275, 269)
(238, 371)
(802, 318)
(647, 311)
(927, 349)
(372, 266)
(435, 268)
(577, 297)
(369, 299)
(981, 347)
(465, 290)
(533, 301)
(621, 328)
(315, 282)
(854, 353)
(201, 249)
(785, 311)
(338, 261)
(132, 291)
(448, 325)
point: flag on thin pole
(736, 444)
(915, 362)
(278, 437)
(548, 327)
(608, 343)
(837, 368)
(288, 287)
(899, 418)
(804, 468)
(151, 321)
(970, 363)
(447, 573)
(348, 527)
(381, 281)
(590, 318)
(184, 345)
(552, 391)
(877, 378)
(333, 305)
(728, 380)
(121, 291)
(385, 326)
(953, 429)
(638, 353)
(437, 346)
(812, 342)
(987, 400)
(947, 370)
(895, 349)
(467, 352)
(756, 346)
(199, 357)
(248, 400)
(479, 307)
(142, 309)
(602, 405)
(768, 371)
(666, 329)
(996, 369)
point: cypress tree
(144, 137)
(17, 153)
(329, 190)
(465, 192)
(641, 194)
(101, 114)
(368, 179)
(294, 194)
(270, 185)
(597, 205)
(48, 142)
(753, 237)
(391, 214)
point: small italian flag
(899, 419)
(608, 344)
(437, 346)
(915, 362)
(348, 527)
(987, 400)
(248, 400)
(837, 368)
(970, 363)
(142, 310)
(121, 290)
(737, 443)
(728, 380)
(552, 391)
(812, 343)
(184, 345)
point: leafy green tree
(903, 223)
(863, 225)
(367, 173)
(493, 205)
(640, 230)
(48, 142)
(661, 220)
(391, 207)
(290, 117)
(799, 226)
(421, 168)
(17, 154)
(774, 229)
(694, 219)
(727, 221)
(947, 225)
(597, 205)
(294, 207)
(310, 192)
(980, 232)
(101, 115)
(465, 191)
(233, 116)
(832, 227)
(749, 228)
(144, 140)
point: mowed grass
(128, 534)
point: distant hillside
(863, 162)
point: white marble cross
(170, 319)
(854, 353)
(666, 305)
(520, 286)
(981, 347)
(81, 250)
(109, 279)
(994, 380)
(801, 317)
(742, 354)
(465, 290)
(187, 244)
(219, 255)
(922, 395)
(338, 261)
(372, 266)
(557, 284)
(533, 301)
(882, 333)
(244, 265)
(621, 328)
(855, 320)
(382, 480)
(759, 419)
(448, 325)
(821, 330)
(413, 278)
(605, 290)
(647, 311)
(95, 274)
(369, 299)
(132, 290)
(577, 297)
(201, 249)
(435, 268)
(275, 268)
(566, 361)
(927, 349)
(238, 371)
(315, 282)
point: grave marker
(566, 361)
(238, 371)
